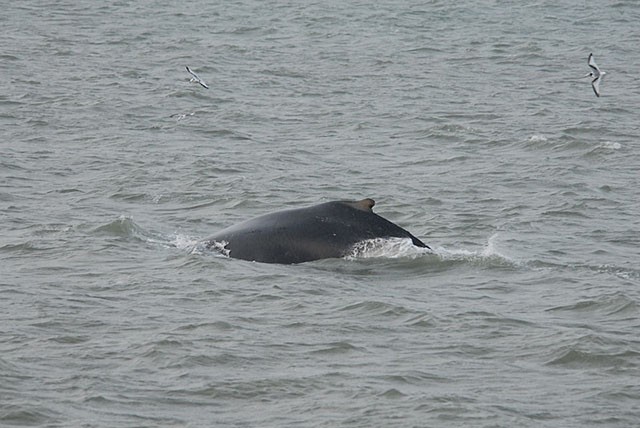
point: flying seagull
(596, 74)
(196, 78)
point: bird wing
(196, 78)
(192, 73)
(592, 64)
(595, 84)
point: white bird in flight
(196, 78)
(596, 74)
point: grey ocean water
(468, 122)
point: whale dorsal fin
(363, 205)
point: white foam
(491, 248)
(389, 248)
(537, 138)
(188, 243)
(611, 145)
(489, 252)
(219, 246)
(182, 116)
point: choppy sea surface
(469, 123)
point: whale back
(327, 230)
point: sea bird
(196, 78)
(596, 74)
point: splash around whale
(328, 230)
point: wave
(573, 357)
(122, 227)
(489, 254)
(604, 305)
(125, 227)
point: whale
(323, 231)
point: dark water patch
(373, 308)
(9, 57)
(19, 248)
(260, 389)
(413, 378)
(123, 227)
(576, 359)
(220, 359)
(629, 393)
(420, 321)
(129, 197)
(606, 305)
(18, 415)
(70, 339)
(392, 393)
(573, 212)
(68, 190)
(336, 348)
(217, 326)
(30, 247)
